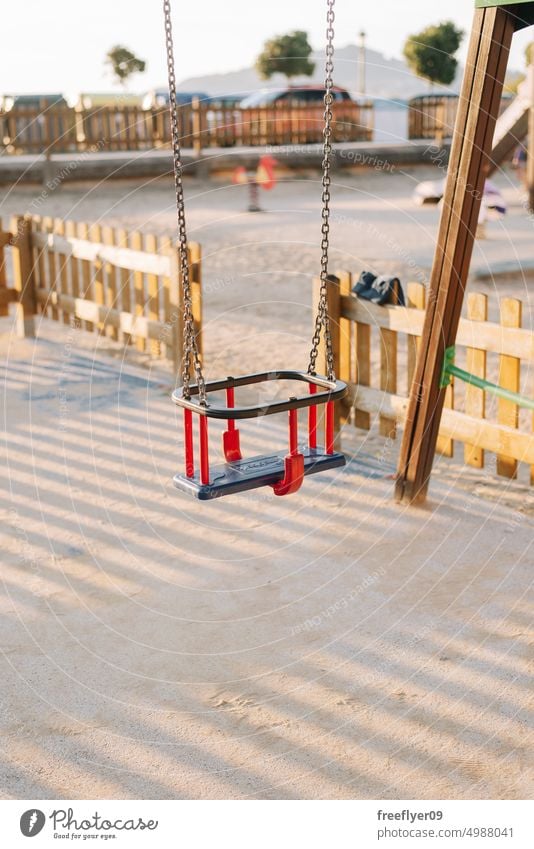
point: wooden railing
(431, 116)
(376, 348)
(59, 129)
(121, 284)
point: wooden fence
(432, 116)
(121, 284)
(60, 129)
(376, 347)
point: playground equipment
(451, 370)
(263, 178)
(512, 126)
(495, 22)
(284, 473)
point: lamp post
(361, 63)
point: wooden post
(23, 276)
(473, 134)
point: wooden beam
(132, 260)
(497, 438)
(475, 123)
(103, 315)
(490, 335)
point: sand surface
(327, 645)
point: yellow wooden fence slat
(125, 297)
(152, 282)
(51, 264)
(62, 269)
(110, 278)
(4, 239)
(362, 342)
(70, 231)
(388, 371)
(136, 243)
(475, 399)
(509, 378)
(86, 282)
(345, 346)
(97, 271)
(416, 296)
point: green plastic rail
(450, 370)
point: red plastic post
(204, 451)
(329, 428)
(231, 444)
(188, 444)
(293, 463)
(312, 419)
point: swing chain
(322, 319)
(191, 351)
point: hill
(385, 77)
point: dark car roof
(266, 96)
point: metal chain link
(191, 351)
(322, 319)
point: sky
(60, 45)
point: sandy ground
(327, 645)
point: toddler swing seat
(284, 471)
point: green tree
(430, 53)
(286, 54)
(124, 63)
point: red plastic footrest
(293, 475)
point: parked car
(160, 97)
(306, 94)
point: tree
(124, 63)
(286, 54)
(430, 53)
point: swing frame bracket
(448, 360)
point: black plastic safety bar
(333, 391)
